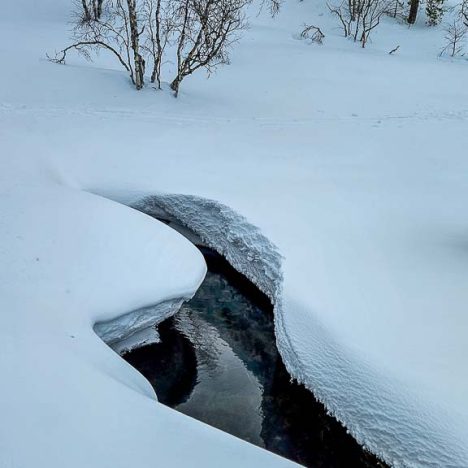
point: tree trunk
(414, 6)
(87, 15)
(97, 6)
(137, 58)
(157, 60)
(175, 85)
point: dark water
(218, 363)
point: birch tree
(200, 33)
(115, 31)
(206, 29)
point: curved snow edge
(227, 232)
(136, 328)
(341, 383)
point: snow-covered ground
(352, 162)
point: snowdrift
(363, 194)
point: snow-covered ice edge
(340, 383)
(229, 233)
(136, 328)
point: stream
(218, 362)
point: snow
(136, 328)
(351, 162)
(222, 229)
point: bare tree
(397, 9)
(200, 31)
(117, 32)
(343, 16)
(160, 22)
(273, 6)
(370, 16)
(455, 33)
(205, 31)
(360, 17)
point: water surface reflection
(218, 362)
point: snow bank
(227, 232)
(363, 192)
(353, 392)
(70, 260)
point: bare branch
(360, 17)
(207, 28)
(61, 56)
(312, 33)
(455, 33)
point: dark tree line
(434, 11)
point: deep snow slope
(70, 259)
(351, 161)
